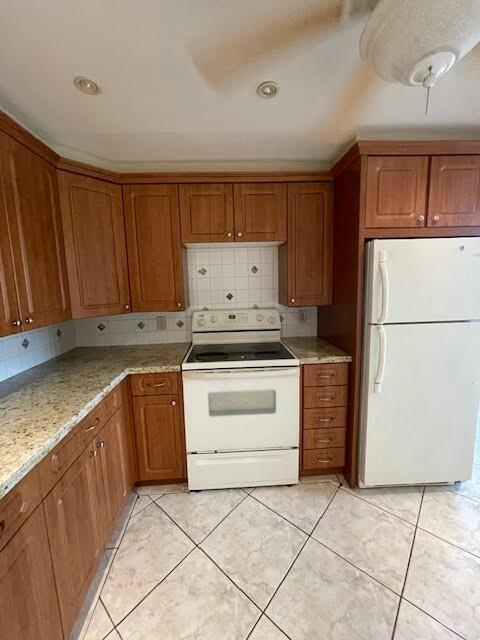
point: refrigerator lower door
(420, 403)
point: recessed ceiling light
(86, 85)
(267, 89)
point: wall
(228, 277)
(29, 348)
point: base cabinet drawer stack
(324, 416)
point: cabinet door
(260, 212)
(206, 212)
(96, 253)
(396, 191)
(305, 262)
(28, 599)
(113, 458)
(154, 249)
(74, 532)
(160, 437)
(454, 192)
(35, 229)
(9, 311)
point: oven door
(242, 409)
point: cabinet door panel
(206, 212)
(260, 212)
(36, 235)
(160, 438)
(454, 191)
(305, 262)
(154, 249)
(94, 230)
(396, 191)
(74, 532)
(28, 599)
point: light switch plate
(161, 323)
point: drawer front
(323, 458)
(323, 438)
(18, 504)
(325, 375)
(154, 384)
(325, 418)
(324, 397)
(54, 465)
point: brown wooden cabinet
(35, 234)
(396, 191)
(75, 532)
(95, 246)
(28, 598)
(305, 262)
(159, 437)
(260, 212)
(206, 212)
(454, 199)
(155, 255)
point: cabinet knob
(93, 453)
(179, 305)
(292, 299)
(239, 234)
(229, 234)
(127, 306)
(101, 445)
(28, 321)
(435, 218)
(17, 323)
(420, 219)
(174, 404)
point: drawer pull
(324, 441)
(160, 384)
(2, 526)
(327, 376)
(325, 419)
(97, 420)
(329, 398)
(324, 461)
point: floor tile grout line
(107, 611)
(223, 519)
(433, 618)
(408, 566)
(452, 544)
(462, 495)
(175, 523)
(390, 513)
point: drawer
(325, 375)
(153, 384)
(323, 438)
(323, 458)
(18, 504)
(54, 465)
(325, 418)
(324, 397)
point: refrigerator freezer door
(420, 410)
(423, 280)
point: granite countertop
(314, 350)
(39, 407)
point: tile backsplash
(235, 277)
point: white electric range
(241, 389)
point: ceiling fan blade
(354, 98)
(221, 63)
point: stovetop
(250, 352)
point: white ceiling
(157, 112)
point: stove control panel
(238, 320)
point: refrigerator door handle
(382, 357)
(382, 263)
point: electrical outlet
(161, 323)
(302, 317)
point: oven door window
(241, 403)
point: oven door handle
(219, 374)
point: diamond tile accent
(141, 325)
(25, 343)
(229, 296)
(254, 269)
(202, 271)
(180, 323)
(101, 326)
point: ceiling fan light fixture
(87, 85)
(267, 89)
(427, 70)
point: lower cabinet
(28, 599)
(75, 532)
(159, 437)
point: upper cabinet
(94, 231)
(155, 254)
(30, 206)
(255, 212)
(305, 262)
(206, 212)
(260, 212)
(454, 191)
(396, 191)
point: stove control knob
(201, 322)
(271, 319)
(213, 319)
(260, 317)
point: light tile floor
(310, 562)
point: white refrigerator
(421, 361)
